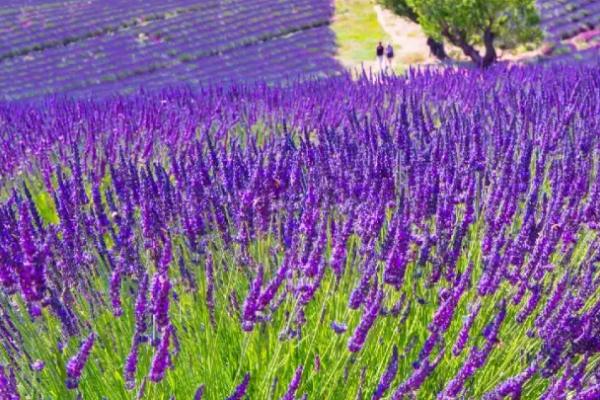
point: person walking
(389, 55)
(379, 52)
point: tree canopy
(468, 23)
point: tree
(468, 23)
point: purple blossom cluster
(467, 202)
(78, 361)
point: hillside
(572, 30)
(83, 47)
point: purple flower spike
(251, 302)
(511, 386)
(161, 357)
(339, 327)
(531, 304)
(141, 305)
(290, 394)
(166, 256)
(131, 364)
(359, 294)
(269, 293)
(476, 358)
(115, 292)
(338, 254)
(38, 365)
(388, 376)
(463, 335)
(32, 274)
(77, 362)
(199, 392)
(591, 393)
(161, 301)
(552, 302)
(8, 386)
(370, 314)
(577, 377)
(240, 390)
(417, 377)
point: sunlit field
(427, 236)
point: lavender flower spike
(591, 393)
(511, 386)
(141, 305)
(199, 392)
(161, 357)
(38, 365)
(369, 316)
(417, 377)
(339, 327)
(115, 292)
(161, 302)
(240, 391)
(290, 394)
(463, 335)
(388, 376)
(32, 275)
(251, 302)
(77, 362)
(8, 386)
(131, 364)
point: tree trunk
(437, 49)
(460, 41)
(490, 56)
(472, 53)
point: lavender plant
(432, 235)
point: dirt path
(408, 39)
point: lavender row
(123, 54)
(313, 50)
(29, 27)
(564, 20)
(266, 62)
(119, 56)
(187, 31)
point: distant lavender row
(28, 26)
(117, 54)
(565, 19)
(148, 38)
(587, 56)
(266, 62)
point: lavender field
(573, 29)
(93, 48)
(430, 236)
(565, 19)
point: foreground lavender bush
(432, 235)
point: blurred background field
(83, 47)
